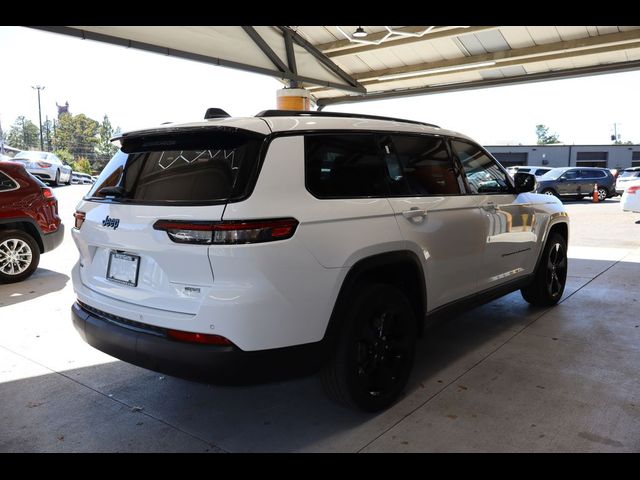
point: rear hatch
(178, 175)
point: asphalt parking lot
(502, 377)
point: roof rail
(300, 113)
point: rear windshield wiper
(112, 191)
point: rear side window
(344, 166)
(7, 183)
(212, 167)
(482, 172)
(425, 166)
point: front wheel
(373, 357)
(19, 256)
(549, 191)
(56, 182)
(551, 275)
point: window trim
(512, 190)
(17, 187)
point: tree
(47, 131)
(81, 165)
(105, 149)
(24, 134)
(76, 134)
(544, 137)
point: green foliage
(77, 134)
(81, 165)
(24, 134)
(544, 137)
(105, 149)
(65, 156)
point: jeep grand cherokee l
(243, 249)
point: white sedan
(631, 197)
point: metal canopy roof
(390, 61)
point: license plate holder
(123, 268)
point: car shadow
(115, 406)
(42, 282)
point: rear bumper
(54, 239)
(152, 349)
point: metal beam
(123, 42)
(266, 49)
(432, 35)
(323, 59)
(291, 56)
(497, 82)
(520, 53)
(520, 62)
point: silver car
(46, 166)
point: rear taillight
(47, 193)
(79, 217)
(203, 338)
(633, 190)
(228, 232)
(43, 164)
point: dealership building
(560, 155)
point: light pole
(39, 87)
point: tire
(551, 275)
(549, 191)
(56, 182)
(15, 268)
(361, 373)
(603, 193)
(69, 180)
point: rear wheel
(551, 275)
(373, 357)
(602, 194)
(19, 256)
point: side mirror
(524, 182)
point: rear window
(32, 155)
(212, 167)
(630, 173)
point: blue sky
(140, 89)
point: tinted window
(421, 165)
(586, 174)
(204, 167)
(482, 172)
(344, 165)
(6, 183)
(541, 171)
(570, 175)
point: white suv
(235, 250)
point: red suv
(29, 222)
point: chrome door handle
(414, 212)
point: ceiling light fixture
(360, 33)
(453, 68)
